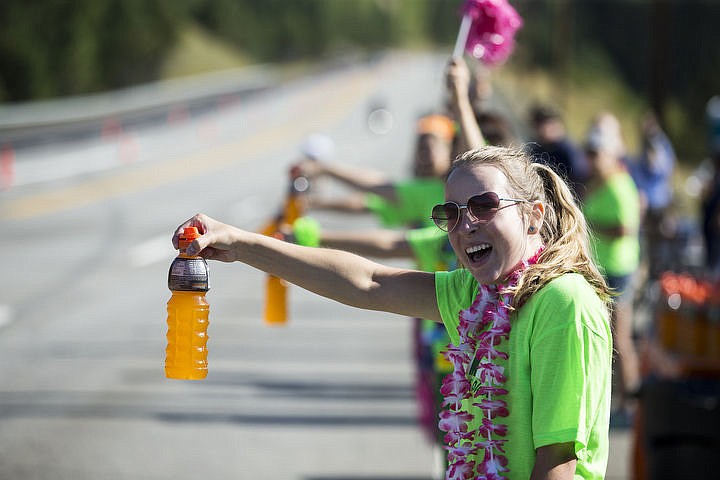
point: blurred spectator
(495, 128)
(404, 203)
(550, 145)
(652, 171)
(653, 168)
(711, 194)
(711, 218)
(612, 208)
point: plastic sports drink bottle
(186, 353)
(276, 289)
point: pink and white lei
(477, 378)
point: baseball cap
(317, 147)
(603, 138)
(436, 124)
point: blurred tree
(64, 47)
(133, 36)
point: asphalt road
(85, 251)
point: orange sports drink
(188, 310)
(276, 289)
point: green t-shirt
(433, 252)
(431, 249)
(557, 374)
(615, 203)
(415, 199)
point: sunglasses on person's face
(482, 208)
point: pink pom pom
(491, 38)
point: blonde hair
(564, 231)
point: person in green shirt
(397, 203)
(529, 395)
(612, 208)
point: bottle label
(188, 274)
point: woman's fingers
(199, 221)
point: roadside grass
(199, 52)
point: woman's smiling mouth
(478, 252)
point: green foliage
(64, 47)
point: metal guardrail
(34, 123)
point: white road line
(157, 249)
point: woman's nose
(467, 222)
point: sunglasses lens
(483, 207)
(445, 216)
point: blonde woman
(529, 395)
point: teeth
(477, 248)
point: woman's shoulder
(622, 181)
(570, 296)
(568, 288)
(567, 284)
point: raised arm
(372, 243)
(341, 276)
(458, 83)
(352, 203)
(363, 179)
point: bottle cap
(186, 238)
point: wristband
(307, 232)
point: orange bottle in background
(188, 311)
(667, 314)
(275, 300)
(276, 289)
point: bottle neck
(182, 247)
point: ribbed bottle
(188, 312)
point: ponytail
(566, 238)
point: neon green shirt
(558, 371)
(615, 203)
(433, 252)
(431, 249)
(415, 199)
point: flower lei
(477, 378)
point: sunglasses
(482, 208)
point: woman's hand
(457, 76)
(311, 168)
(217, 240)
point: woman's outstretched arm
(341, 276)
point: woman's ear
(536, 218)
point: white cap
(604, 136)
(317, 147)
